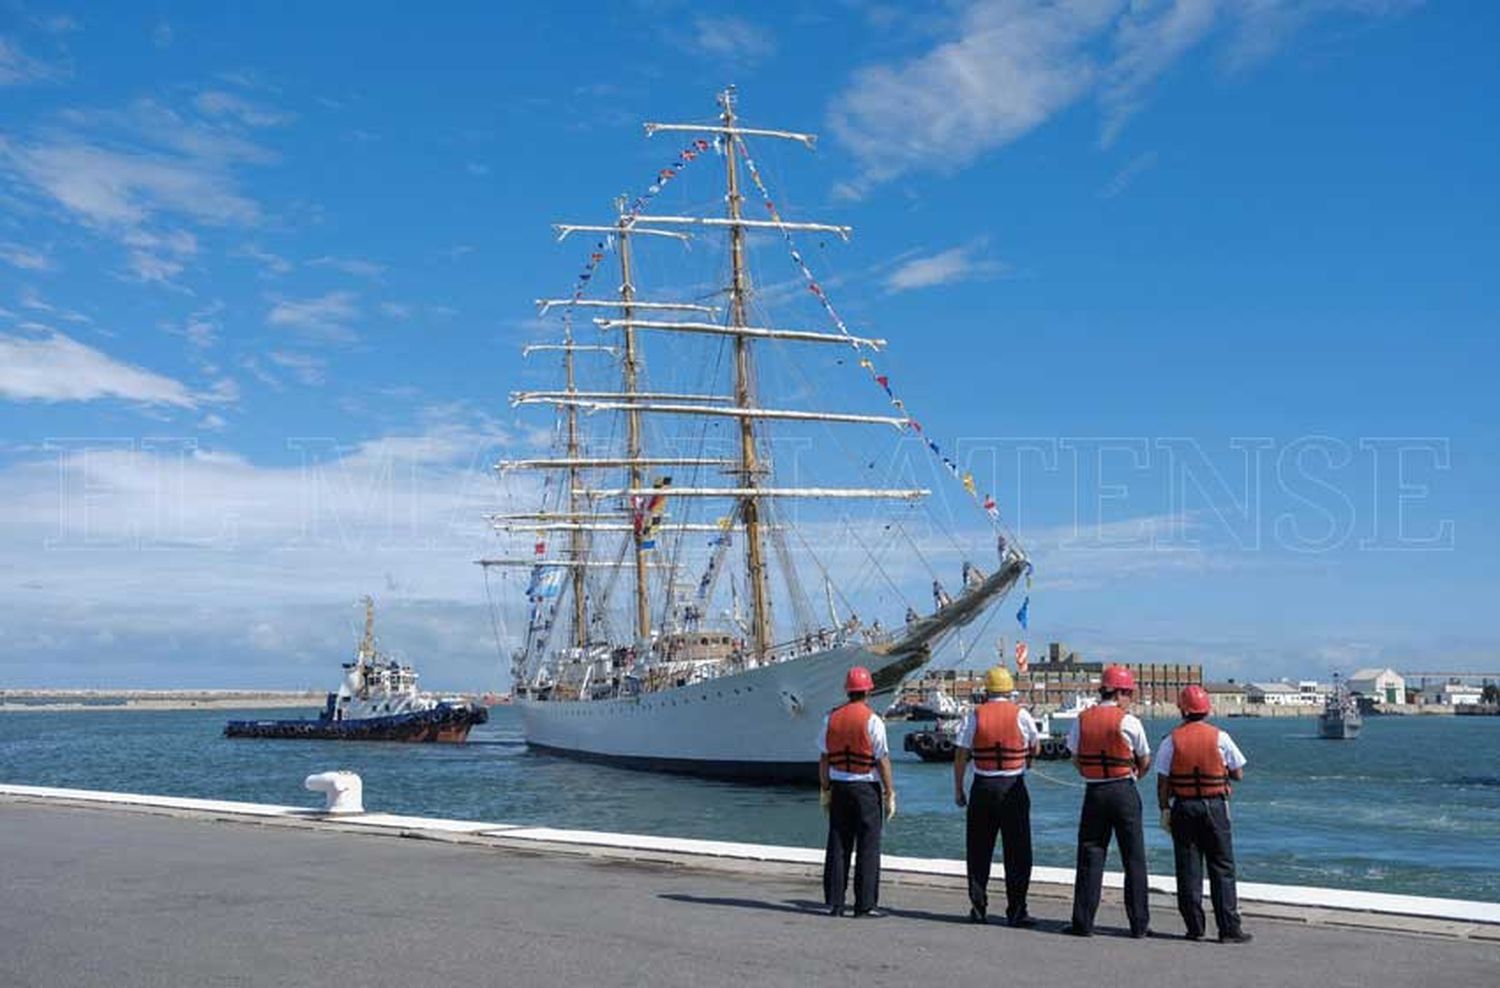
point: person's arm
(1163, 793)
(1036, 735)
(823, 781)
(889, 786)
(1139, 746)
(1234, 759)
(960, 768)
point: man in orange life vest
(854, 771)
(1000, 738)
(1110, 749)
(1194, 768)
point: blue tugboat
(377, 701)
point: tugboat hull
(444, 724)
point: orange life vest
(998, 743)
(1197, 770)
(1103, 752)
(848, 742)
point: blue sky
(263, 275)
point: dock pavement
(155, 894)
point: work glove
(890, 805)
(825, 799)
(1166, 820)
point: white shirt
(1228, 750)
(1130, 726)
(876, 729)
(965, 738)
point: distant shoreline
(66, 701)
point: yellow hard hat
(998, 680)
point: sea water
(1412, 806)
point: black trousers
(999, 805)
(1200, 832)
(855, 816)
(1111, 808)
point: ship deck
(93, 895)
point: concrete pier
(121, 894)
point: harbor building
(1451, 694)
(1058, 677)
(1228, 698)
(1383, 686)
(1278, 695)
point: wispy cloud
(350, 265)
(18, 68)
(163, 34)
(733, 38)
(1009, 66)
(272, 265)
(55, 367)
(944, 268)
(25, 258)
(1125, 177)
(326, 317)
(305, 367)
(218, 103)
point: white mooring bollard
(343, 790)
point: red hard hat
(1193, 700)
(859, 680)
(1118, 678)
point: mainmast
(761, 637)
(631, 365)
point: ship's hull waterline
(760, 725)
(445, 724)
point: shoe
(1076, 931)
(1021, 922)
(835, 911)
(1239, 937)
(869, 913)
(1141, 934)
(977, 915)
(1193, 936)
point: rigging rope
(965, 478)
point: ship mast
(761, 637)
(367, 643)
(576, 536)
(631, 366)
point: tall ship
(1340, 719)
(378, 700)
(696, 485)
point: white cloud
(18, 68)
(1010, 66)
(305, 367)
(110, 188)
(240, 556)
(23, 257)
(326, 317)
(273, 265)
(218, 103)
(163, 35)
(732, 38)
(944, 268)
(56, 367)
(396, 310)
(350, 265)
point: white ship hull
(761, 724)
